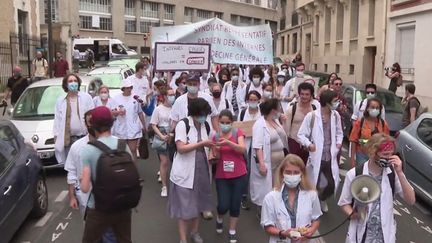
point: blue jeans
(229, 193)
(361, 158)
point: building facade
(342, 36)
(128, 20)
(19, 35)
(408, 36)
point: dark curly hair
(267, 106)
(327, 97)
(65, 82)
(199, 107)
(256, 71)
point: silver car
(414, 144)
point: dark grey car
(23, 189)
(392, 104)
(414, 144)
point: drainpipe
(384, 38)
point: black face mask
(383, 162)
(216, 94)
(91, 131)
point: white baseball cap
(126, 83)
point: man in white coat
(321, 132)
(69, 124)
(289, 92)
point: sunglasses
(370, 93)
(338, 84)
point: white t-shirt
(161, 116)
(40, 66)
(75, 122)
(128, 126)
(141, 86)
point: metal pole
(28, 57)
(50, 39)
(11, 52)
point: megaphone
(365, 189)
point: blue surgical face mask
(225, 127)
(201, 119)
(192, 89)
(253, 105)
(373, 112)
(73, 86)
(334, 105)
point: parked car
(392, 104)
(414, 144)
(112, 76)
(22, 181)
(33, 114)
(127, 62)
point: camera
(387, 69)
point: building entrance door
(369, 64)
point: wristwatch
(281, 236)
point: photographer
(394, 76)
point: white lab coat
(223, 106)
(260, 185)
(85, 103)
(227, 93)
(274, 212)
(314, 162)
(183, 166)
(358, 111)
(111, 104)
(73, 166)
(357, 228)
(128, 126)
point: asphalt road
(151, 223)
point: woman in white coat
(379, 218)
(233, 91)
(292, 210)
(69, 124)
(321, 133)
(269, 143)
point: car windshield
(390, 101)
(38, 103)
(112, 80)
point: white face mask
(292, 181)
(104, 96)
(300, 74)
(373, 112)
(267, 94)
(256, 81)
(235, 78)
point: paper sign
(245, 126)
(182, 56)
(229, 43)
(95, 21)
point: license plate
(45, 155)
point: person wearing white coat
(292, 206)
(321, 132)
(378, 216)
(219, 102)
(69, 124)
(233, 91)
(269, 143)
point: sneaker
(158, 173)
(207, 215)
(232, 238)
(219, 227)
(159, 179)
(196, 238)
(164, 191)
(324, 206)
(245, 203)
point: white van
(104, 48)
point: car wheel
(40, 203)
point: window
(405, 45)
(234, 19)
(169, 12)
(325, 68)
(218, 15)
(85, 22)
(150, 10)
(316, 67)
(98, 6)
(340, 11)
(351, 69)
(424, 131)
(54, 11)
(317, 28)
(355, 7)
(327, 24)
(146, 25)
(245, 21)
(294, 43)
(288, 43)
(203, 15)
(105, 23)
(188, 13)
(282, 45)
(8, 143)
(337, 68)
(371, 27)
(130, 7)
(256, 21)
(130, 25)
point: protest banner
(229, 44)
(174, 56)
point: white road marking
(396, 212)
(61, 196)
(44, 220)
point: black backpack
(294, 109)
(242, 114)
(186, 122)
(118, 185)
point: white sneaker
(159, 179)
(324, 206)
(164, 191)
(158, 173)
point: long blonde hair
(296, 161)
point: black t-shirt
(17, 85)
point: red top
(231, 164)
(60, 68)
